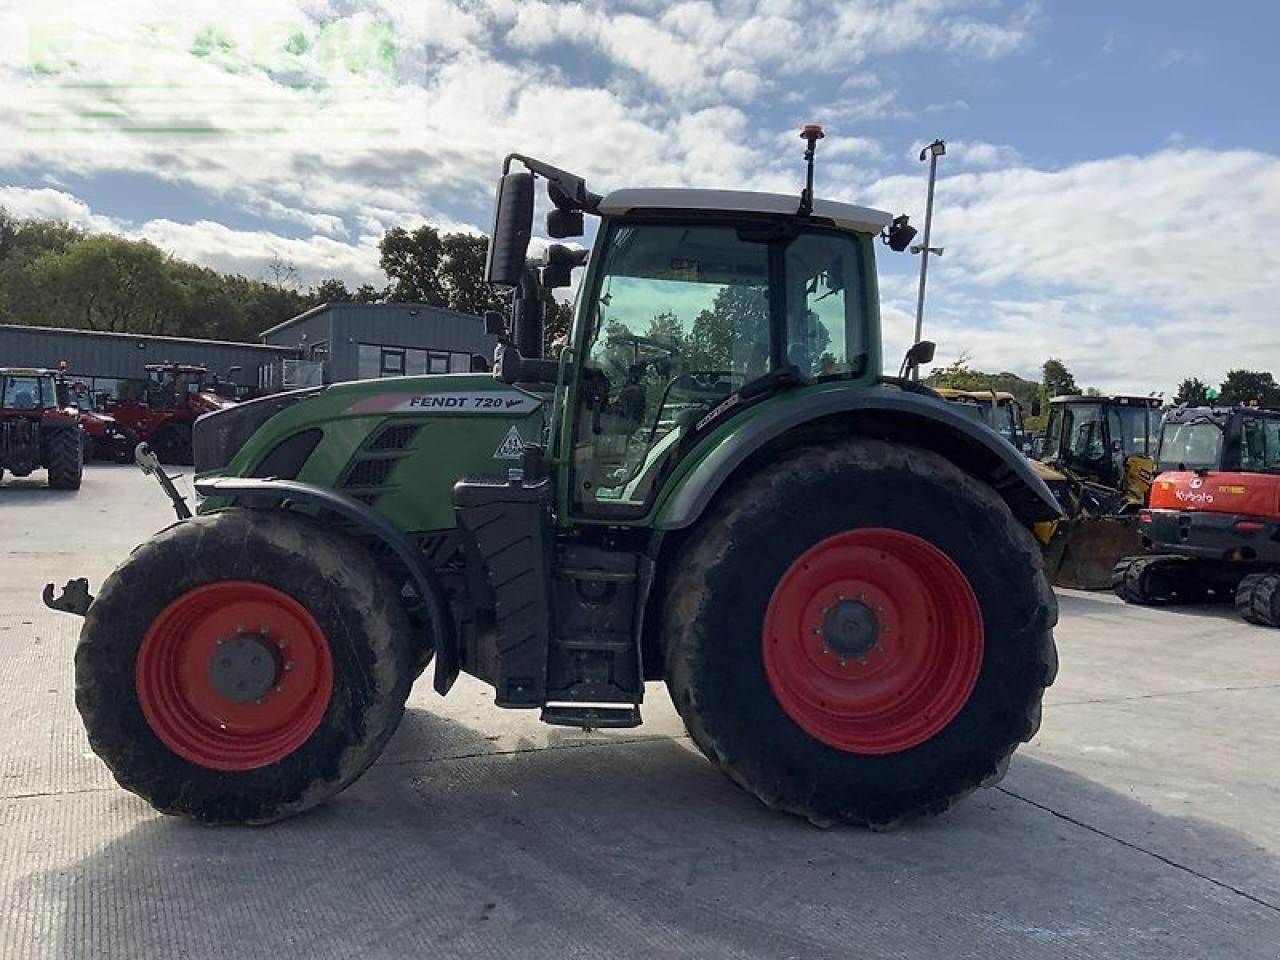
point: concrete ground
(1141, 823)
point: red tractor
(37, 428)
(162, 411)
(106, 439)
(1213, 523)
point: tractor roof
(846, 215)
(954, 393)
(25, 372)
(1220, 414)
(1124, 400)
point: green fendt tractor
(711, 485)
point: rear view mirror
(512, 227)
(922, 352)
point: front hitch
(150, 465)
(74, 598)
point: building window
(376, 360)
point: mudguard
(444, 638)
(879, 412)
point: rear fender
(878, 412)
(249, 491)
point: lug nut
(288, 664)
(841, 661)
(259, 701)
(282, 643)
(279, 689)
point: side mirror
(922, 352)
(512, 228)
(899, 234)
(1036, 408)
(565, 223)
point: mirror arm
(573, 187)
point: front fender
(269, 493)
(878, 412)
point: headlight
(217, 437)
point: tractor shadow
(639, 849)
(1084, 603)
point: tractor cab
(696, 306)
(998, 409)
(172, 385)
(1109, 440)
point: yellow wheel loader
(1102, 449)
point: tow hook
(150, 464)
(74, 598)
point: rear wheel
(243, 667)
(1258, 599)
(172, 444)
(65, 451)
(871, 657)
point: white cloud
(45, 203)
(1135, 270)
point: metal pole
(924, 257)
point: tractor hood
(398, 444)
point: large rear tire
(172, 444)
(859, 634)
(1258, 599)
(243, 667)
(65, 451)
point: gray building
(362, 341)
(102, 360)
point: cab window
(679, 317)
(1260, 445)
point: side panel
(399, 444)
(1251, 494)
(877, 412)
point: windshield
(1136, 429)
(1190, 446)
(28, 392)
(683, 315)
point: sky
(1111, 178)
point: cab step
(592, 718)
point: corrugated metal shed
(95, 355)
(336, 332)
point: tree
(1244, 386)
(462, 275)
(105, 282)
(332, 290)
(411, 262)
(1057, 379)
(739, 315)
(1193, 391)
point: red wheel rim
(185, 706)
(873, 641)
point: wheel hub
(243, 669)
(851, 628)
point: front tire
(860, 634)
(1258, 599)
(172, 444)
(243, 667)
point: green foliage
(960, 376)
(1246, 386)
(1192, 391)
(1057, 379)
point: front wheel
(860, 634)
(243, 667)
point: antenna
(811, 134)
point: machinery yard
(1140, 822)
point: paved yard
(1142, 822)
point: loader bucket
(1088, 550)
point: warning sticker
(511, 447)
